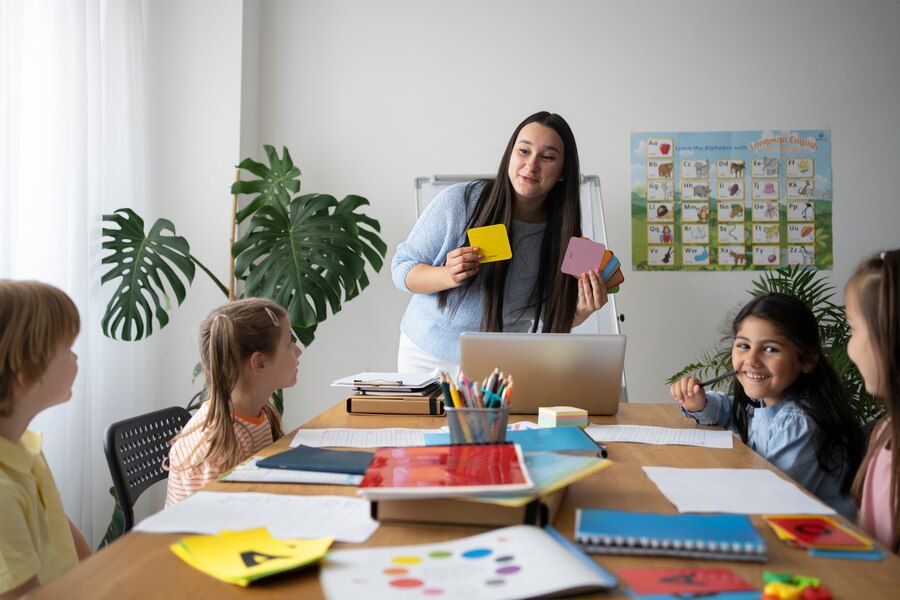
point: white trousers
(412, 359)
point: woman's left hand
(591, 296)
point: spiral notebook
(726, 537)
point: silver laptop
(550, 369)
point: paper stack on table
(390, 384)
(240, 557)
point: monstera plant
(306, 252)
(817, 293)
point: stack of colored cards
(822, 536)
(558, 416)
(583, 255)
(240, 557)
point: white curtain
(72, 148)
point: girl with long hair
(873, 313)
(535, 194)
(247, 351)
(789, 405)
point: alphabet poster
(731, 200)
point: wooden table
(140, 565)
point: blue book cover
(692, 535)
(305, 458)
(542, 439)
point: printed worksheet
(642, 434)
(361, 438)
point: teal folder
(567, 440)
(726, 537)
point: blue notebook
(566, 440)
(728, 537)
(305, 458)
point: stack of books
(523, 482)
(393, 393)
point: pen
(718, 379)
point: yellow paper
(240, 557)
(492, 241)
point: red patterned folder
(445, 471)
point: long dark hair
(819, 393)
(876, 285)
(555, 293)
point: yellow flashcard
(492, 241)
(240, 557)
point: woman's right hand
(689, 393)
(461, 264)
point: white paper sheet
(361, 438)
(387, 378)
(514, 562)
(285, 516)
(249, 472)
(734, 491)
(642, 434)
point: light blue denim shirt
(440, 229)
(786, 437)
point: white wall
(369, 95)
(193, 56)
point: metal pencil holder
(477, 425)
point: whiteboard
(593, 226)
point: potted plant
(306, 252)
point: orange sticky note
(606, 258)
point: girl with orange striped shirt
(248, 352)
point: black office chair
(135, 449)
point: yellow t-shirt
(35, 538)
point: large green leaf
(143, 262)
(276, 183)
(309, 256)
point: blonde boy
(38, 324)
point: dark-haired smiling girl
(536, 196)
(789, 405)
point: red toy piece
(815, 592)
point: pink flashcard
(582, 255)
